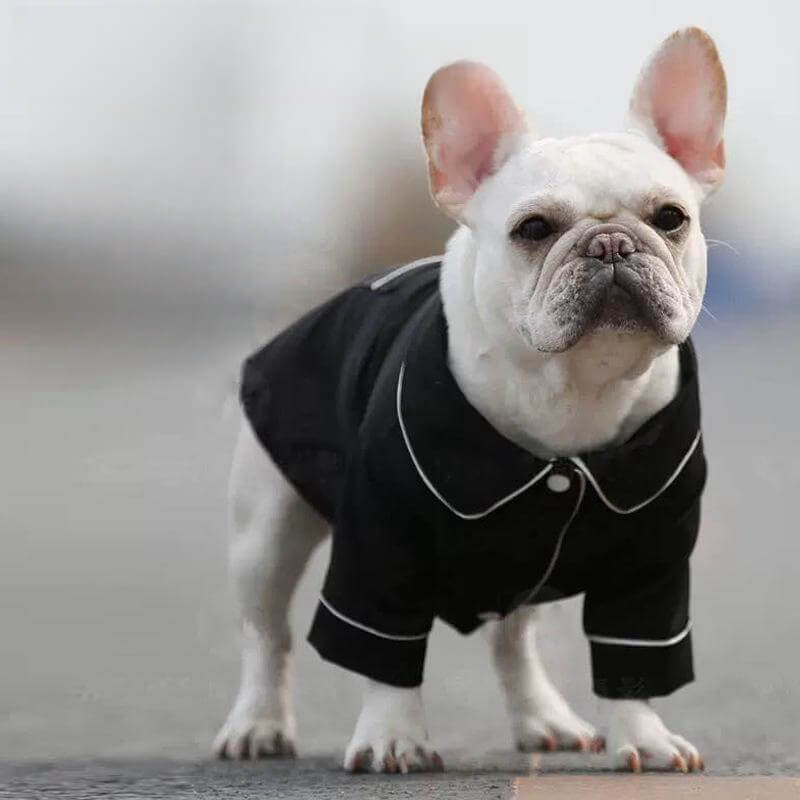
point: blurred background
(179, 179)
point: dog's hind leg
(541, 718)
(273, 534)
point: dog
(508, 424)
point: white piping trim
(396, 273)
(426, 481)
(579, 461)
(396, 637)
(557, 551)
(642, 642)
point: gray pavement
(118, 640)
(305, 778)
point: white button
(489, 616)
(558, 483)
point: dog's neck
(594, 395)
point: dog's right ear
(469, 125)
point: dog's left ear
(469, 126)
(679, 101)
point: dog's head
(588, 233)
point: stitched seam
(396, 273)
(432, 488)
(397, 637)
(641, 642)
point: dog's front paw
(390, 734)
(555, 727)
(252, 731)
(638, 739)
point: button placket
(560, 487)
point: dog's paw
(390, 734)
(252, 732)
(554, 728)
(638, 740)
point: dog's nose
(610, 247)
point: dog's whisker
(712, 243)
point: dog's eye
(534, 229)
(669, 218)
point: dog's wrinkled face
(587, 233)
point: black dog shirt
(435, 514)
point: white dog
(511, 423)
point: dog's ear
(469, 125)
(679, 102)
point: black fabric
(398, 663)
(436, 514)
(621, 671)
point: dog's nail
(634, 762)
(701, 764)
(403, 765)
(359, 762)
(390, 764)
(679, 764)
(438, 764)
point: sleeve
(637, 620)
(375, 610)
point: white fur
(599, 391)
(511, 355)
(273, 533)
(390, 734)
(540, 716)
(636, 734)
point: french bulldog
(552, 340)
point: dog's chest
(555, 411)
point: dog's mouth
(628, 295)
(619, 309)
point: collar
(473, 470)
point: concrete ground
(118, 630)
